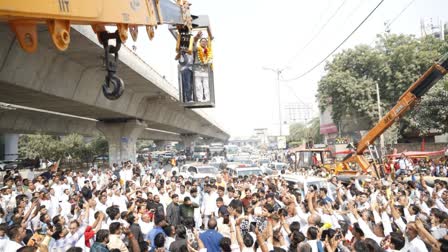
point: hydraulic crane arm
(404, 104)
(24, 15)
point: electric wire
(318, 33)
(334, 50)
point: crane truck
(23, 16)
(356, 161)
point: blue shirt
(152, 235)
(211, 240)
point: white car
(241, 171)
(198, 171)
(218, 162)
(278, 166)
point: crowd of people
(134, 207)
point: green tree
(55, 148)
(42, 146)
(300, 133)
(394, 63)
(99, 146)
(141, 144)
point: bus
(200, 152)
(216, 149)
(231, 152)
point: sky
(250, 35)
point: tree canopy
(55, 147)
(394, 63)
(300, 133)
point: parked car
(6, 165)
(303, 183)
(198, 171)
(278, 166)
(218, 162)
(267, 170)
(244, 171)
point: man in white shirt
(413, 241)
(102, 203)
(16, 235)
(208, 204)
(195, 198)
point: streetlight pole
(378, 103)
(278, 71)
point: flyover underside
(70, 82)
(32, 122)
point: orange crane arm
(404, 104)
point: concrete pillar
(10, 147)
(188, 143)
(188, 140)
(122, 138)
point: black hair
(312, 233)
(225, 244)
(168, 229)
(130, 218)
(74, 249)
(248, 240)
(294, 226)
(112, 212)
(181, 231)
(269, 208)
(296, 237)
(443, 244)
(158, 219)
(27, 249)
(114, 227)
(13, 231)
(56, 219)
(372, 245)
(159, 240)
(360, 246)
(101, 235)
(397, 240)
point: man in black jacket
(172, 211)
(186, 210)
(181, 239)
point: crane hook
(113, 86)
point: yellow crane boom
(127, 15)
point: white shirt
(313, 244)
(101, 207)
(145, 227)
(12, 246)
(209, 203)
(120, 201)
(168, 241)
(416, 245)
(3, 241)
